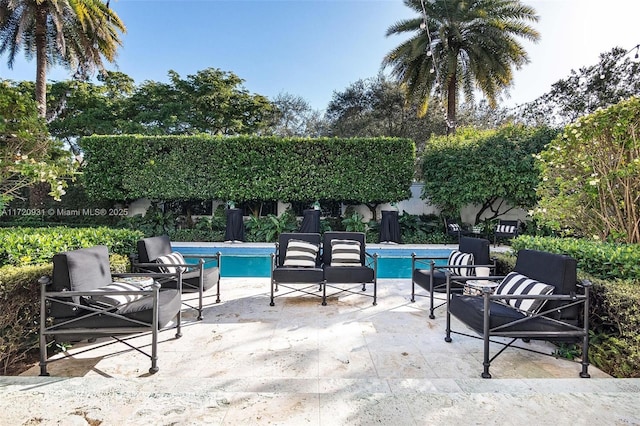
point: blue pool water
(239, 261)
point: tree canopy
(492, 169)
(591, 176)
(74, 33)
(615, 77)
(460, 45)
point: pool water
(241, 261)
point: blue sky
(312, 48)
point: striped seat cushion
(458, 258)
(518, 284)
(173, 258)
(301, 254)
(345, 253)
(506, 229)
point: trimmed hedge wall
(33, 246)
(245, 168)
(602, 260)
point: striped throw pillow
(105, 298)
(454, 227)
(301, 254)
(458, 258)
(345, 253)
(506, 229)
(518, 284)
(173, 258)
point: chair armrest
(216, 256)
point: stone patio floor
(300, 363)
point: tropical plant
(468, 44)
(591, 176)
(74, 33)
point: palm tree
(74, 33)
(467, 43)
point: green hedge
(245, 168)
(602, 260)
(615, 326)
(32, 246)
(20, 313)
(614, 317)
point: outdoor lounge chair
(433, 278)
(506, 229)
(540, 300)
(156, 255)
(83, 302)
(454, 229)
(296, 261)
(345, 260)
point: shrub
(489, 168)
(32, 246)
(602, 260)
(591, 176)
(615, 326)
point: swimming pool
(253, 260)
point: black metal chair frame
(161, 246)
(467, 245)
(153, 268)
(569, 332)
(430, 261)
(459, 232)
(277, 258)
(49, 298)
(370, 261)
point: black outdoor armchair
(506, 230)
(433, 278)
(455, 229)
(155, 254)
(540, 300)
(297, 262)
(345, 261)
(84, 300)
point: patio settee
(301, 260)
(540, 300)
(83, 300)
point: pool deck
(300, 363)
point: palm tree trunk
(41, 59)
(451, 105)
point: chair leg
(218, 291)
(43, 355)
(413, 291)
(431, 300)
(447, 337)
(272, 303)
(486, 363)
(375, 291)
(324, 292)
